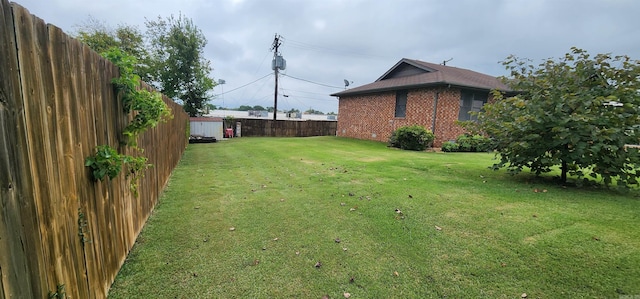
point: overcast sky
(327, 41)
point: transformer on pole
(278, 63)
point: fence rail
(60, 230)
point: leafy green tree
(258, 108)
(131, 41)
(177, 64)
(577, 112)
(96, 34)
(101, 38)
(313, 111)
(244, 108)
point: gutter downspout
(435, 111)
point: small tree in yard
(177, 65)
(577, 112)
(415, 138)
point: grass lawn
(261, 218)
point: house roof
(411, 73)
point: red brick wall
(372, 116)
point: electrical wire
(310, 98)
(259, 68)
(287, 93)
(307, 46)
(308, 92)
(309, 81)
(267, 75)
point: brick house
(414, 92)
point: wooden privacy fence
(61, 232)
(285, 128)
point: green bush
(468, 143)
(415, 138)
(449, 146)
(481, 143)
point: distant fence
(285, 128)
(59, 230)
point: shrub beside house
(414, 92)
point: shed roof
(205, 119)
(411, 73)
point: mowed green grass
(251, 218)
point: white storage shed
(207, 127)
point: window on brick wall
(471, 101)
(401, 103)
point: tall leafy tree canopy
(578, 112)
(178, 67)
(129, 39)
(313, 111)
(170, 56)
(244, 108)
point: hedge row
(418, 138)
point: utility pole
(278, 63)
(221, 82)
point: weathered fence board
(19, 275)
(65, 141)
(58, 226)
(33, 216)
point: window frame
(402, 97)
(471, 101)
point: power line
(308, 92)
(267, 75)
(288, 93)
(310, 98)
(259, 89)
(307, 46)
(259, 67)
(309, 81)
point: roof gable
(404, 68)
(410, 73)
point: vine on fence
(147, 106)
(135, 166)
(128, 82)
(60, 293)
(148, 110)
(82, 227)
(107, 162)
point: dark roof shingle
(434, 74)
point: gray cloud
(331, 40)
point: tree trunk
(563, 176)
